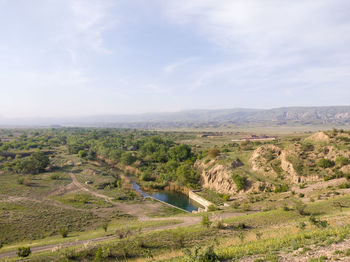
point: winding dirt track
(186, 221)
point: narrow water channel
(172, 197)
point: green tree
(127, 158)
(34, 164)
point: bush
(63, 232)
(341, 161)
(318, 222)
(23, 251)
(82, 153)
(20, 180)
(281, 188)
(206, 221)
(301, 225)
(325, 163)
(240, 181)
(207, 254)
(179, 240)
(241, 226)
(55, 176)
(213, 153)
(105, 226)
(219, 224)
(212, 208)
(300, 208)
(307, 147)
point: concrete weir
(200, 200)
(165, 203)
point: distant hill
(332, 115)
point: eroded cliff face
(216, 177)
(268, 159)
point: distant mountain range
(331, 115)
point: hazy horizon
(64, 58)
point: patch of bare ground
(319, 185)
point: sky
(61, 58)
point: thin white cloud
(285, 42)
(170, 68)
(91, 19)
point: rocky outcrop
(261, 162)
(262, 155)
(216, 177)
(345, 169)
(319, 137)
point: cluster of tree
(34, 164)
(156, 154)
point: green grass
(82, 200)
(290, 241)
(31, 220)
(121, 224)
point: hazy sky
(88, 57)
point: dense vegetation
(156, 155)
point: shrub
(213, 153)
(307, 147)
(301, 225)
(179, 240)
(219, 224)
(212, 208)
(20, 180)
(105, 226)
(240, 181)
(325, 163)
(285, 207)
(241, 226)
(341, 161)
(82, 153)
(344, 186)
(300, 208)
(55, 176)
(281, 188)
(318, 222)
(206, 221)
(63, 232)
(23, 251)
(207, 254)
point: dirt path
(319, 185)
(81, 187)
